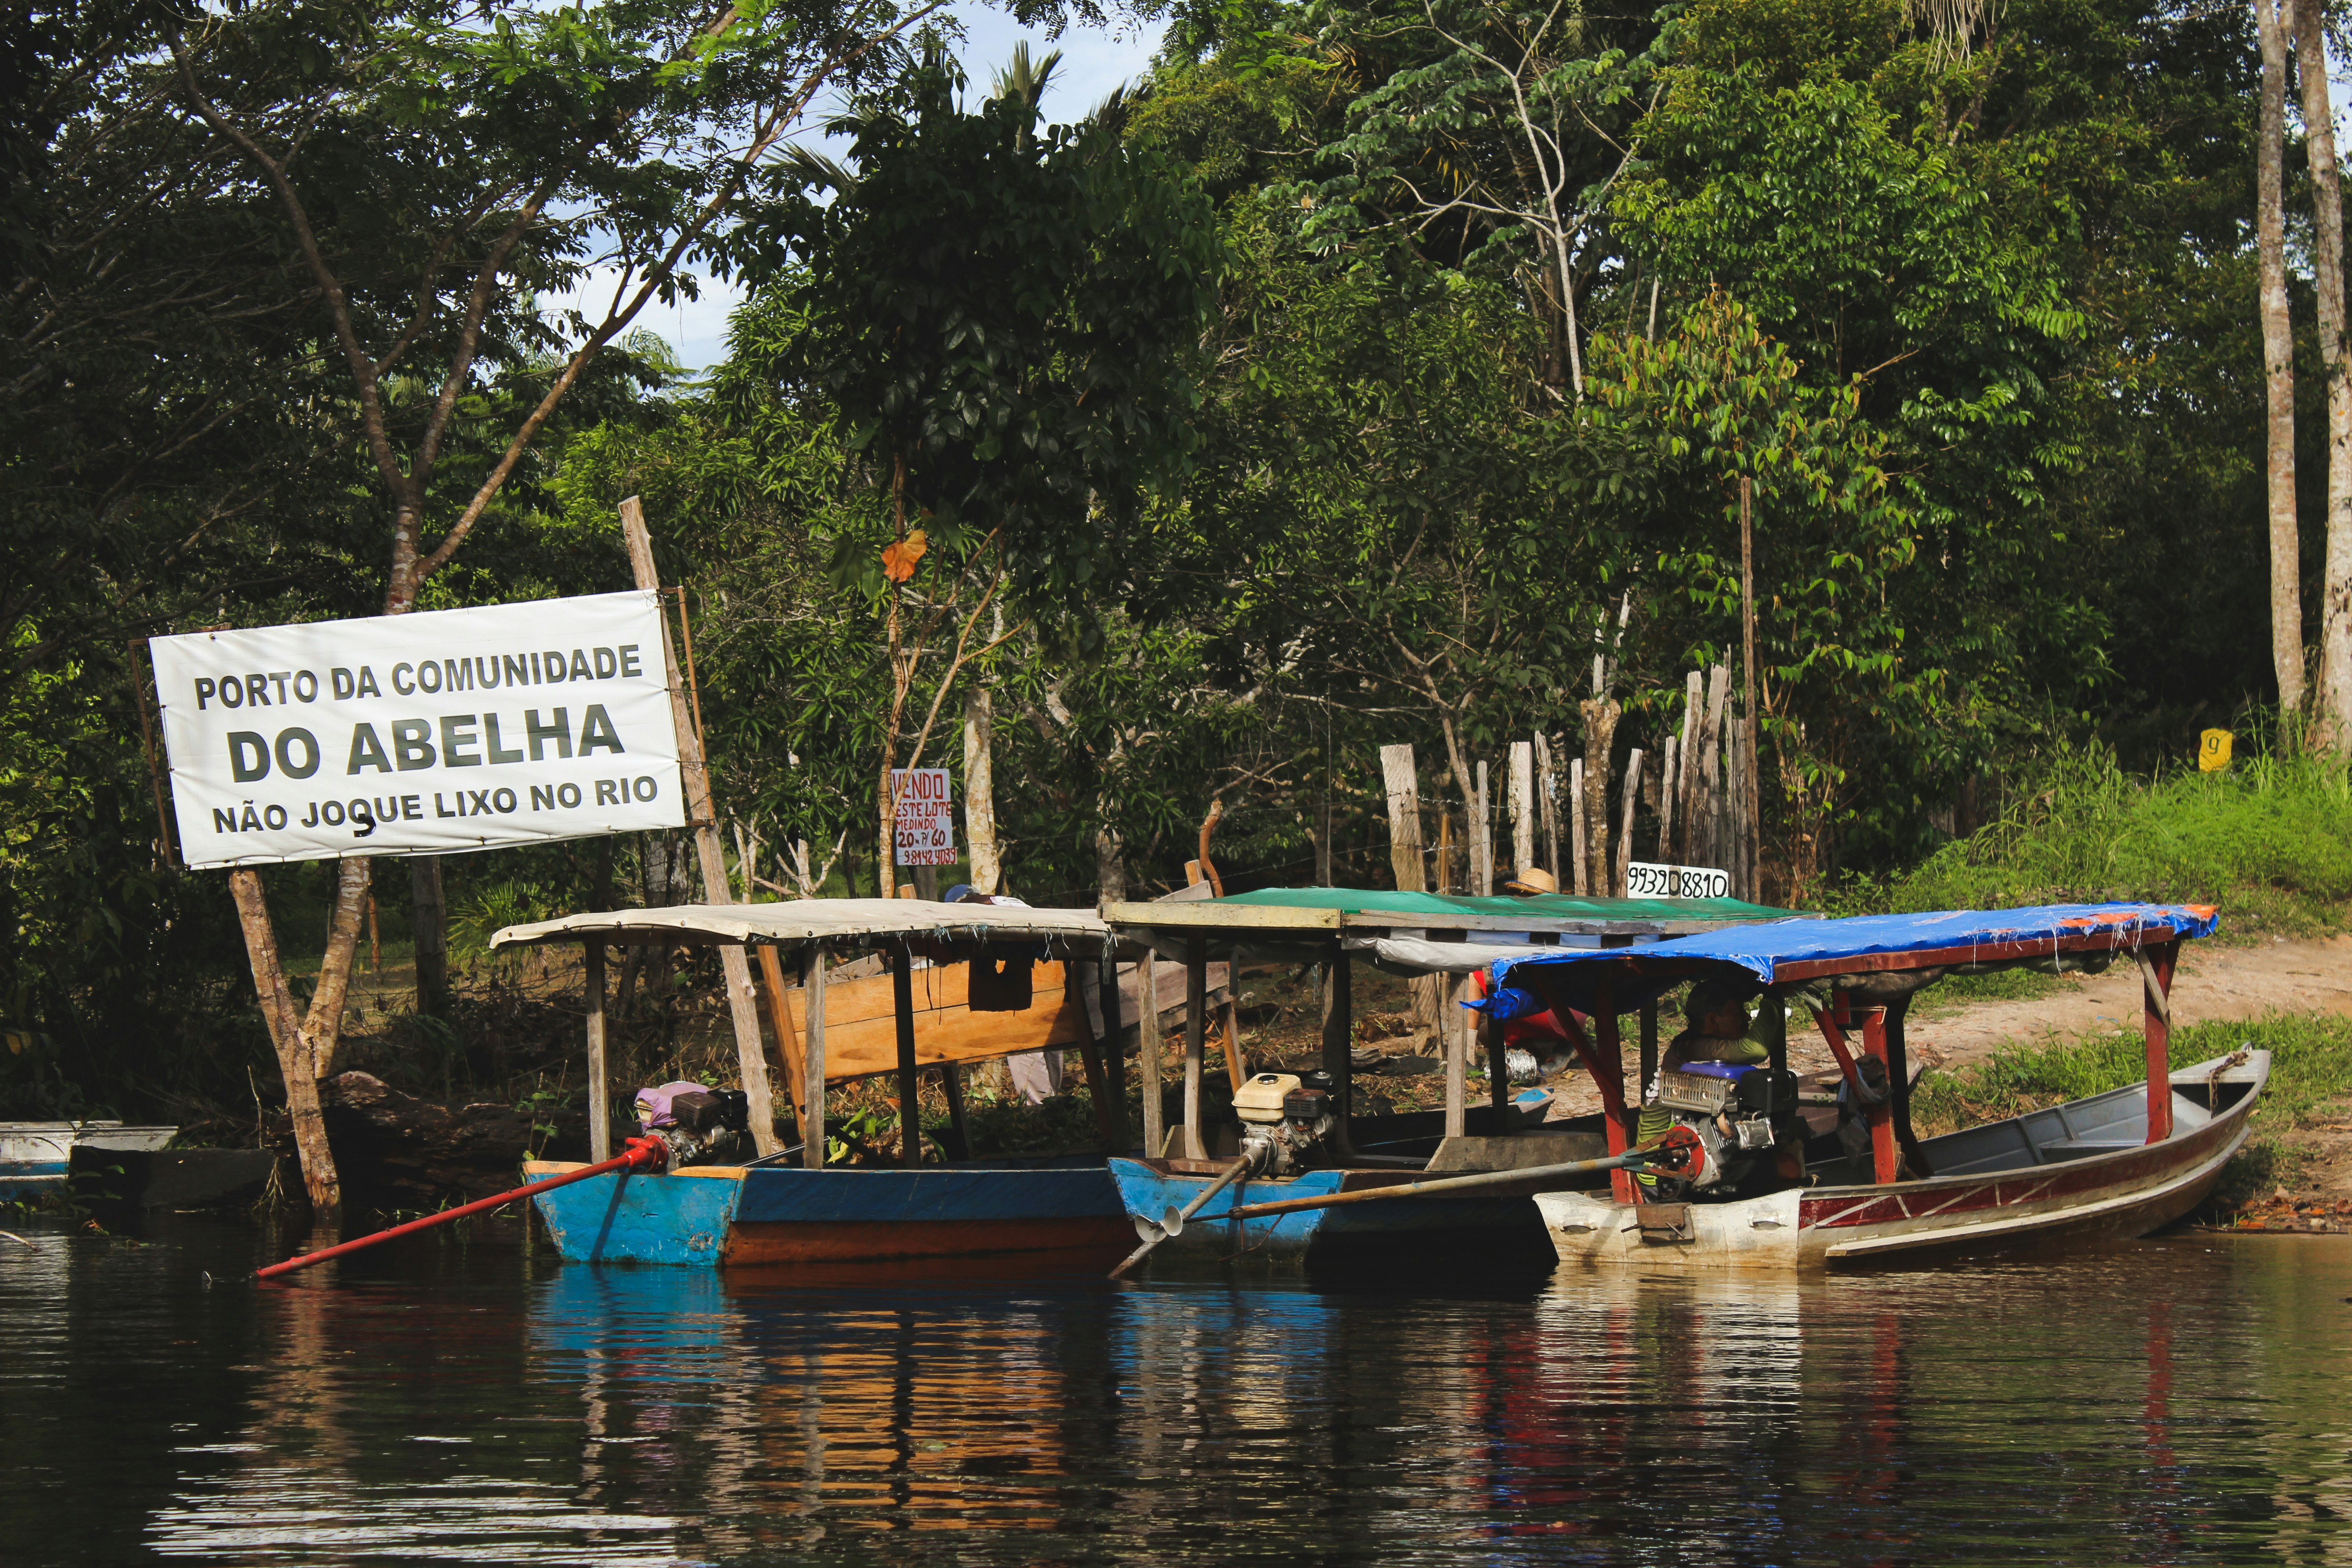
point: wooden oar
(1187, 1212)
(642, 1154)
(1632, 1160)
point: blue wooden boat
(1751, 1172)
(36, 1156)
(1056, 1212)
(928, 1015)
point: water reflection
(2171, 1403)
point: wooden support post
(1091, 1052)
(1884, 1158)
(911, 1106)
(1547, 794)
(1582, 882)
(1520, 789)
(1407, 860)
(600, 1084)
(1649, 1023)
(813, 1060)
(1898, 1067)
(1196, 1024)
(1498, 1070)
(1625, 834)
(1230, 1019)
(959, 1134)
(1453, 1041)
(1669, 785)
(1339, 1045)
(1481, 839)
(1113, 1043)
(1404, 818)
(1609, 1052)
(2156, 1024)
(1772, 1017)
(1147, 1053)
(1457, 1035)
(780, 1020)
(694, 772)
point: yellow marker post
(2214, 751)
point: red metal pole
(1611, 1050)
(2156, 988)
(641, 1153)
(1884, 1156)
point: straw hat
(1532, 879)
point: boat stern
(677, 1218)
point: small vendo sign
(420, 734)
(924, 815)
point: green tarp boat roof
(1543, 906)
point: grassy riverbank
(2298, 1129)
(2270, 841)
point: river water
(2180, 1401)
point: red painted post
(2156, 1024)
(1610, 1071)
(1883, 1155)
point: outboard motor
(694, 1122)
(1743, 1117)
(1284, 1120)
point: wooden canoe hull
(1078, 1239)
(739, 1217)
(1479, 1228)
(2114, 1195)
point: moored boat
(1741, 1167)
(38, 1156)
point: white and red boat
(2109, 1166)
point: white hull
(2073, 1172)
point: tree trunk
(1600, 716)
(979, 786)
(2333, 706)
(428, 922)
(1110, 870)
(2272, 19)
(299, 1060)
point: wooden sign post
(742, 1007)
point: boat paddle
(642, 1155)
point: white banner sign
(440, 731)
(925, 817)
(1643, 880)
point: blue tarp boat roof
(1801, 950)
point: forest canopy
(1369, 371)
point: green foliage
(2269, 841)
(1003, 317)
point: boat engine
(1283, 1121)
(1742, 1118)
(693, 1122)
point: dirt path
(2214, 983)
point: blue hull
(627, 1218)
(1064, 1214)
(1472, 1229)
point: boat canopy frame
(817, 932)
(1870, 967)
(1418, 933)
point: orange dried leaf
(898, 560)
